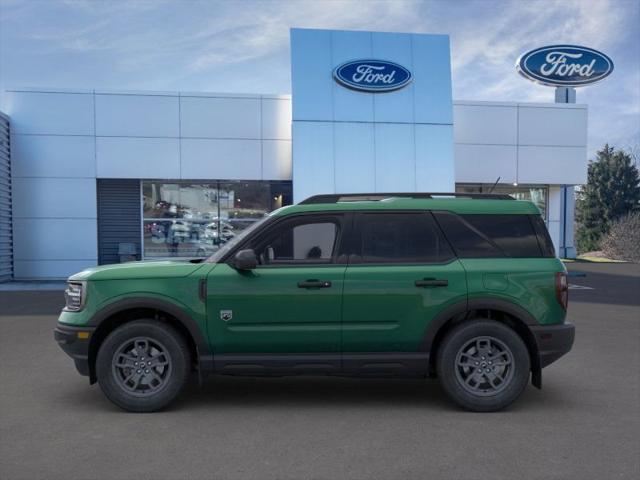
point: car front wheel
(143, 365)
(483, 365)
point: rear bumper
(553, 341)
(75, 345)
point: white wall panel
(433, 143)
(276, 119)
(118, 157)
(562, 126)
(485, 163)
(53, 156)
(220, 117)
(276, 159)
(224, 159)
(54, 197)
(394, 106)
(55, 239)
(485, 124)
(349, 105)
(313, 163)
(50, 269)
(355, 169)
(559, 165)
(395, 158)
(137, 115)
(50, 113)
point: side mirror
(245, 260)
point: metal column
(567, 249)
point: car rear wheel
(483, 365)
(143, 365)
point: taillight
(562, 289)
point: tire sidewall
(176, 349)
(446, 365)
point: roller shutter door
(6, 232)
(118, 217)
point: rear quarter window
(491, 235)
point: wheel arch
(126, 310)
(503, 311)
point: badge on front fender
(226, 315)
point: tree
(612, 190)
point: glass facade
(534, 193)
(194, 219)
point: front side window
(298, 241)
(401, 238)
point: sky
(243, 46)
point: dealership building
(89, 177)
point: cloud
(229, 46)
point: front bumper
(75, 343)
(553, 341)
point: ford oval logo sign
(372, 75)
(564, 65)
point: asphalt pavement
(583, 424)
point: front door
(402, 275)
(291, 302)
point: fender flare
(463, 307)
(203, 351)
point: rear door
(401, 274)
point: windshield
(215, 258)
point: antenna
(494, 185)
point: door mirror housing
(245, 260)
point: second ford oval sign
(564, 65)
(372, 75)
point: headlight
(74, 296)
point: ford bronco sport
(463, 287)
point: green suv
(463, 287)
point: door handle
(314, 284)
(431, 282)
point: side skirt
(383, 364)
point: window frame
(355, 256)
(340, 219)
(490, 241)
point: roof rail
(360, 197)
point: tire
(483, 365)
(143, 365)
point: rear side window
(401, 238)
(487, 236)
(466, 241)
(546, 245)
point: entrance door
(291, 302)
(402, 275)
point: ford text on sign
(372, 75)
(564, 65)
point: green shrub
(623, 240)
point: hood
(139, 270)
